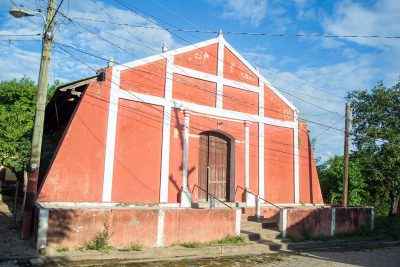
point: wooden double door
(214, 165)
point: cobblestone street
(377, 257)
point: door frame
(231, 161)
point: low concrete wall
(270, 213)
(353, 219)
(326, 221)
(72, 227)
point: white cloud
(249, 11)
(123, 43)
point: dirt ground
(11, 245)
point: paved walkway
(11, 246)
(377, 257)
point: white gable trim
(156, 57)
(255, 72)
(192, 47)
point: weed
(192, 245)
(101, 242)
(229, 240)
(226, 241)
(133, 247)
(62, 249)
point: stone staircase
(262, 231)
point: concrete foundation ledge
(149, 227)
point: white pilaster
(111, 134)
(261, 178)
(220, 71)
(42, 229)
(296, 158)
(160, 227)
(166, 132)
(333, 221)
(186, 198)
(250, 200)
(238, 221)
(372, 218)
(283, 222)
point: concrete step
(261, 223)
(254, 231)
(206, 204)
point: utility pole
(346, 157)
(34, 163)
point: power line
(18, 35)
(192, 85)
(248, 33)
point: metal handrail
(212, 195)
(258, 197)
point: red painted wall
(310, 190)
(137, 161)
(352, 219)
(234, 69)
(194, 90)
(146, 79)
(76, 173)
(308, 221)
(274, 107)
(198, 225)
(74, 227)
(240, 100)
(278, 168)
(203, 59)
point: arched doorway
(216, 162)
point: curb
(341, 244)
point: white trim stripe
(135, 96)
(238, 221)
(296, 161)
(166, 134)
(261, 151)
(220, 72)
(111, 135)
(333, 221)
(42, 229)
(160, 228)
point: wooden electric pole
(34, 163)
(346, 157)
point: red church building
(156, 138)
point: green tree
(17, 111)
(376, 135)
(331, 178)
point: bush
(101, 242)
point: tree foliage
(376, 135)
(17, 111)
(331, 179)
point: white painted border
(261, 150)
(333, 221)
(238, 221)
(43, 226)
(220, 72)
(111, 135)
(283, 222)
(104, 205)
(166, 133)
(186, 198)
(296, 161)
(160, 228)
(206, 110)
(372, 218)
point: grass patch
(101, 242)
(226, 241)
(133, 247)
(62, 249)
(229, 240)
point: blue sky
(309, 71)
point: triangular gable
(202, 45)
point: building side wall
(279, 163)
(137, 157)
(274, 107)
(76, 173)
(202, 59)
(234, 69)
(310, 190)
